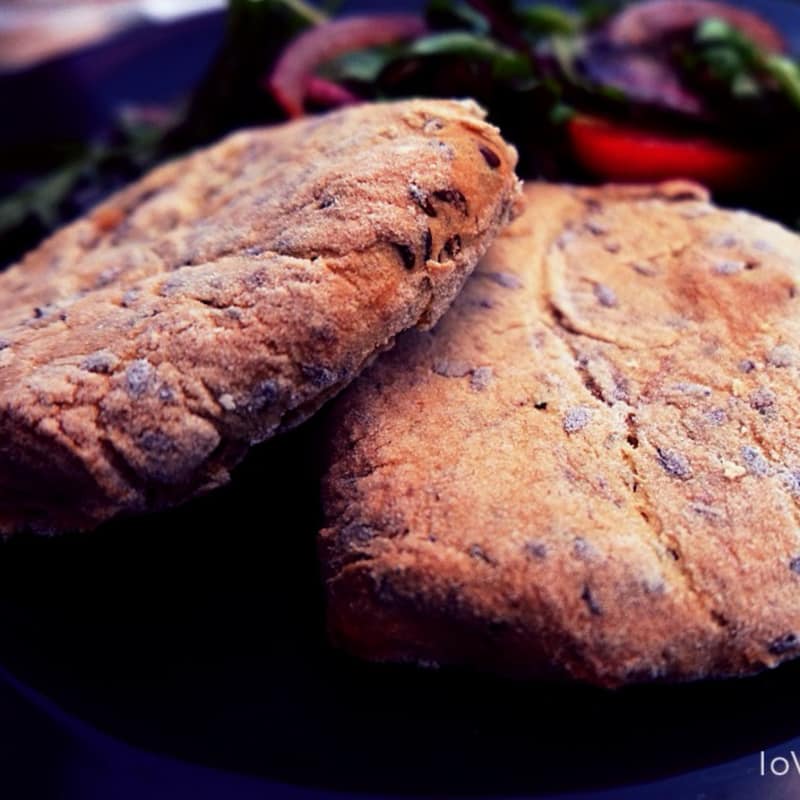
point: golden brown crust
(590, 467)
(226, 295)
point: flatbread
(225, 296)
(590, 468)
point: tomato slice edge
(618, 152)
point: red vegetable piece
(329, 94)
(289, 79)
(621, 153)
(644, 23)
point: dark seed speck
(762, 400)
(674, 464)
(781, 356)
(481, 378)
(138, 377)
(406, 254)
(583, 549)
(321, 377)
(591, 603)
(356, 533)
(643, 268)
(490, 157)
(130, 297)
(476, 551)
(596, 228)
(792, 481)
(783, 644)
(155, 441)
(605, 295)
(265, 394)
(536, 549)
(420, 197)
(576, 419)
(101, 362)
(452, 197)
(754, 460)
(452, 247)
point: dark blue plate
(184, 654)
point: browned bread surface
(226, 295)
(591, 466)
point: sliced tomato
(622, 153)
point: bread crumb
(227, 402)
(732, 471)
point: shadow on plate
(198, 633)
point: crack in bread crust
(647, 509)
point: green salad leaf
(364, 66)
(470, 17)
(786, 73)
(731, 56)
(544, 19)
(506, 63)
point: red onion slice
(647, 22)
(289, 79)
